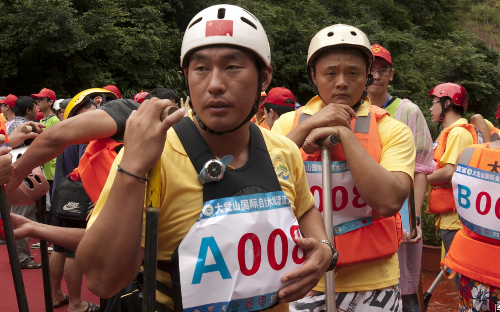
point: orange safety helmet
(454, 91)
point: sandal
(64, 302)
(30, 264)
(92, 307)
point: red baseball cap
(113, 89)
(382, 52)
(498, 113)
(45, 93)
(279, 95)
(10, 100)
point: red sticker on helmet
(219, 28)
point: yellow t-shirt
(182, 194)
(457, 140)
(398, 154)
(491, 126)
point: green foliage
(72, 45)
(430, 236)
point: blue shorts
(56, 221)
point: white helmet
(225, 24)
(18, 152)
(57, 104)
(339, 35)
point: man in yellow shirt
(226, 59)
(372, 171)
(489, 131)
(449, 102)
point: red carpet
(445, 298)
(33, 282)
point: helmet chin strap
(443, 112)
(255, 107)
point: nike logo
(72, 206)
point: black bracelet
(120, 169)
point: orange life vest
(381, 239)
(94, 166)
(441, 195)
(3, 130)
(262, 122)
(472, 254)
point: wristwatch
(417, 219)
(335, 255)
(214, 169)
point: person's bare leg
(56, 264)
(74, 276)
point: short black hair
(278, 109)
(457, 109)
(162, 94)
(23, 103)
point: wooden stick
(168, 111)
(29, 128)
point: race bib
(477, 199)
(234, 256)
(350, 212)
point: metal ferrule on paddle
(153, 191)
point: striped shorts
(379, 300)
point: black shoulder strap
(257, 176)
(60, 165)
(194, 144)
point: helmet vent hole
(330, 34)
(221, 13)
(251, 15)
(29, 183)
(37, 178)
(354, 33)
(248, 22)
(195, 22)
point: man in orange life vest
(476, 247)
(260, 118)
(449, 102)
(372, 170)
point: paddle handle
(30, 128)
(2, 139)
(168, 111)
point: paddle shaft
(328, 221)
(151, 245)
(15, 267)
(47, 289)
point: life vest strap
(303, 117)
(466, 156)
(362, 124)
